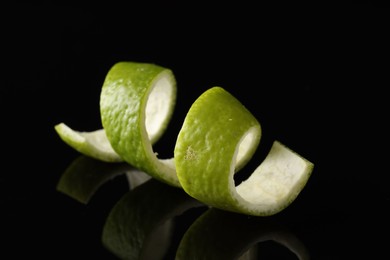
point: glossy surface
(322, 66)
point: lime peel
(136, 104)
(218, 137)
(275, 183)
(93, 144)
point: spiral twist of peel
(218, 137)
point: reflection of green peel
(142, 218)
(85, 175)
(224, 235)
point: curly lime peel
(136, 105)
(211, 147)
(218, 137)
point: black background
(316, 77)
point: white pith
(158, 105)
(99, 140)
(275, 182)
(94, 143)
(246, 145)
(156, 114)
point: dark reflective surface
(314, 76)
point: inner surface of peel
(99, 140)
(246, 146)
(158, 106)
(275, 179)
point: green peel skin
(219, 136)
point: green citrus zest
(136, 104)
(218, 137)
(93, 144)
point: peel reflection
(218, 234)
(85, 175)
(140, 225)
